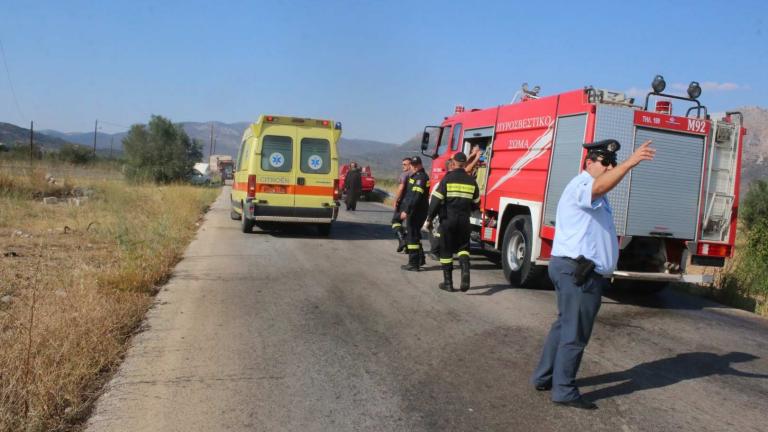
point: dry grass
(76, 281)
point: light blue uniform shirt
(585, 227)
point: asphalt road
(287, 331)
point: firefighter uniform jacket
(416, 201)
(455, 197)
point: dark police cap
(460, 157)
(415, 160)
(603, 146)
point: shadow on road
(490, 289)
(370, 211)
(666, 299)
(666, 372)
(341, 230)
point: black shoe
(543, 387)
(445, 287)
(409, 267)
(400, 246)
(580, 403)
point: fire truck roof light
(694, 90)
(658, 84)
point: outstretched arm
(609, 179)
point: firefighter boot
(422, 258)
(401, 243)
(447, 283)
(413, 261)
(464, 262)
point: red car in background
(367, 178)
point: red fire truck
(679, 208)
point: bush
(75, 154)
(161, 152)
(754, 208)
(748, 277)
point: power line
(10, 83)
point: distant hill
(12, 134)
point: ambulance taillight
(251, 186)
(336, 191)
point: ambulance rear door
(276, 170)
(317, 164)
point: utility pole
(210, 145)
(31, 141)
(95, 127)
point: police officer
(454, 198)
(402, 188)
(414, 212)
(584, 253)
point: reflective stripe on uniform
(460, 187)
(459, 195)
(463, 253)
(415, 246)
(446, 260)
(396, 225)
(410, 180)
(417, 189)
(438, 195)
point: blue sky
(383, 68)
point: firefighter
(414, 213)
(584, 254)
(402, 188)
(454, 199)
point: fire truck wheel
(516, 253)
(246, 224)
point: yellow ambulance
(287, 171)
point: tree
(754, 208)
(160, 151)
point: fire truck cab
(679, 208)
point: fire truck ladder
(720, 191)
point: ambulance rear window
(315, 156)
(276, 153)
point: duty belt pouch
(584, 268)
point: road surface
(288, 331)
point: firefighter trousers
(413, 224)
(454, 238)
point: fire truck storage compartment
(566, 156)
(617, 122)
(664, 194)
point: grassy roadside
(75, 281)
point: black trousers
(413, 223)
(352, 198)
(397, 223)
(454, 238)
